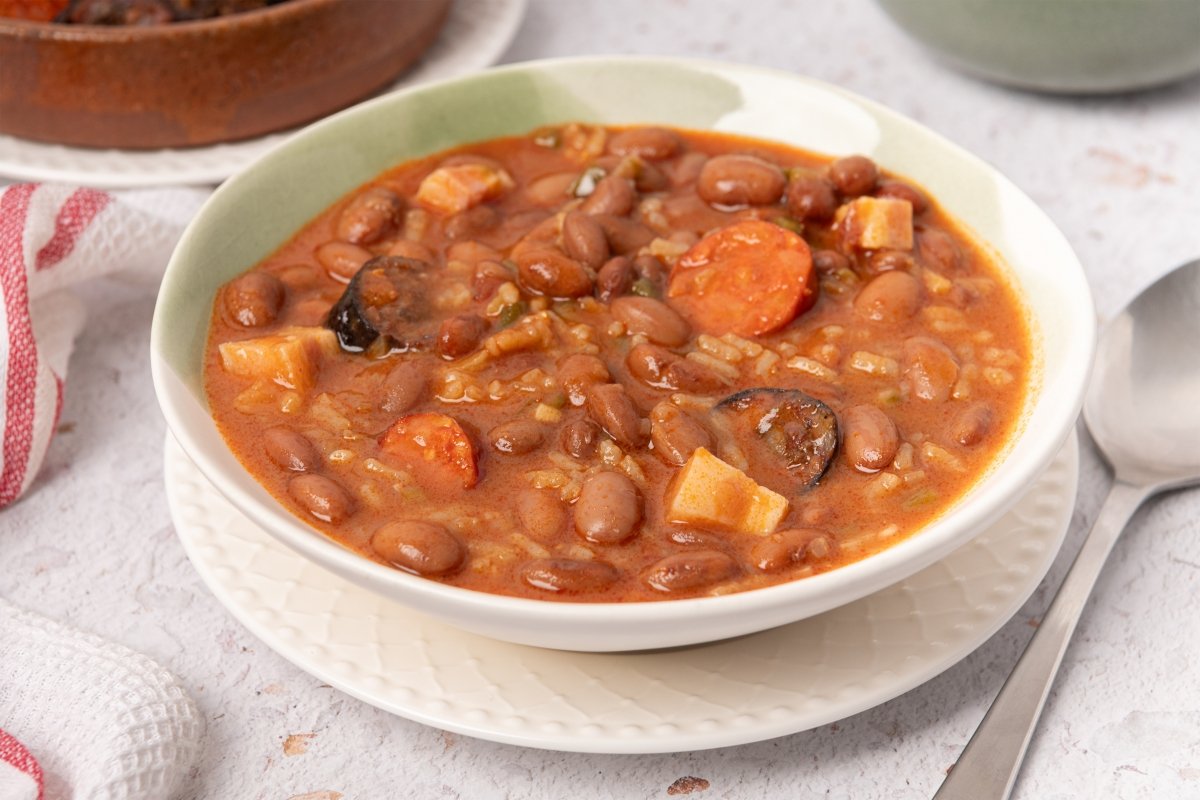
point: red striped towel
(52, 237)
(20, 775)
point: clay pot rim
(124, 34)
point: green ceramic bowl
(253, 213)
(1079, 46)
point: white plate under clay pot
(476, 34)
(725, 693)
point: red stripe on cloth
(20, 382)
(58, 401)
(73, 218)
(15, 753)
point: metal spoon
(1143, 410)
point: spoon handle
(988, 766)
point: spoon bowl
(1143, 404)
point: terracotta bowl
(195, 83)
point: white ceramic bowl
(254, 212)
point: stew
(606, 364)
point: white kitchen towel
(80, 718)
(52, 238)
(87, 719)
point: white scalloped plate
(476, 34)
(742, 690)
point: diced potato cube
(461, 186)
(291, 358)
(874, 223)
(711, 493)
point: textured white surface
(741, 690)
(104, 722)
(475, 34)
(93, 545)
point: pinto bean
(569, 576)
(551, 190)
(624, 235)
(414, 250)
(854, 175)
(609, 405)
(579, 438)
(550, 272)
(254, 299)
(541, 513)
(811, 197)
(686, 168)
(578, 372)
(584, 239)
(609, 508)
(290, 450)
(471, 224)
(542, 236)
(322, 497)
(652, 318)
(310, 312)
(370, 216)
(614, 279)
(688, 376)
(342, 259)
(650, 268)
(299, 276)
(652, 144)
(787, 548)
(517, 437)
(740, 180)
(938, 251)
(829, 261)
(472, 253)
(489, 275)
(648, 363)
(881, 261)
(649, 178)
(403, 387)
(424, 548)
(675, 434)
(459, 335)
(688, 571)
(613, 195)
(869, 438)
(930, 369)
(662, 369)
(902, 191)
(973, 425)
(890, 297)
(690, 537)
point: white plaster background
(93, 545)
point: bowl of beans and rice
(578, 366)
